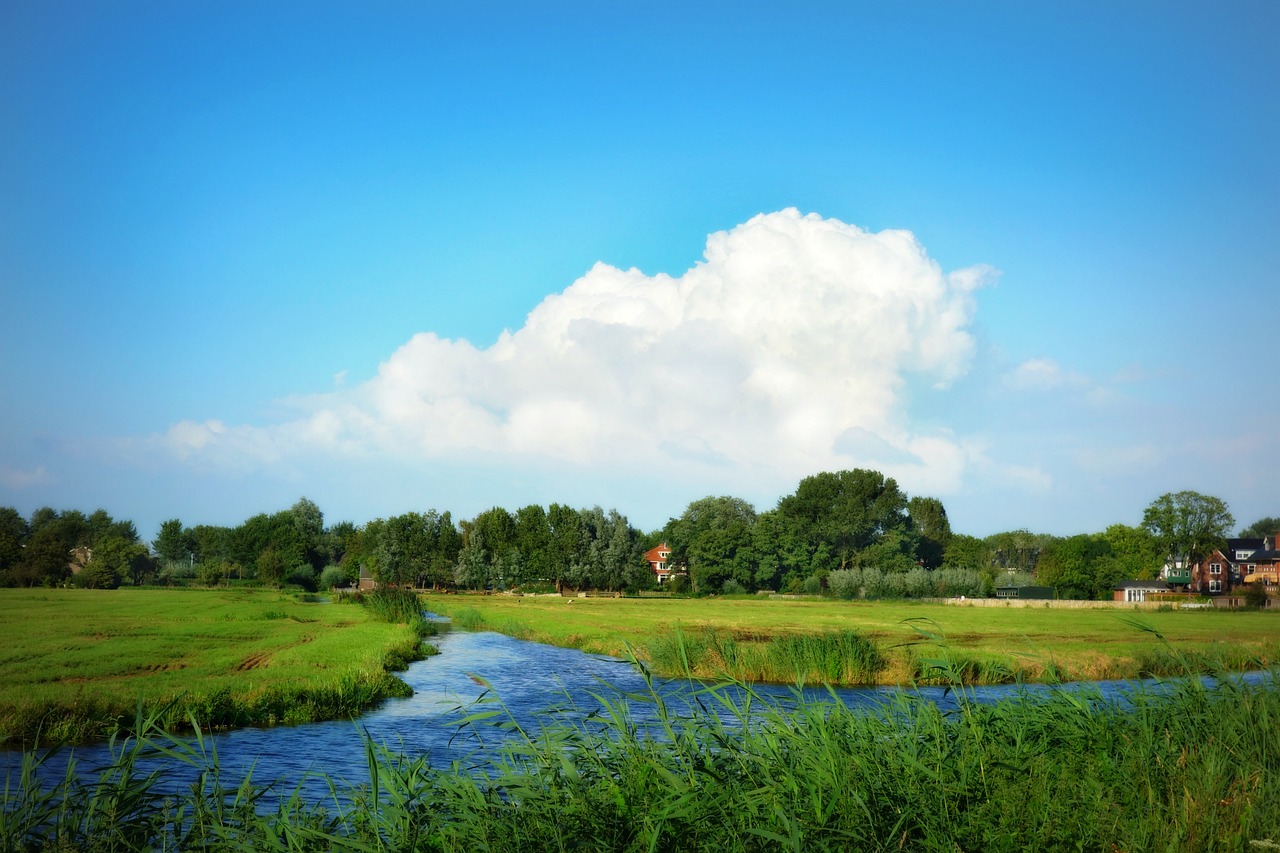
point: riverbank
(1185, 766)
(77, 663)
(757, 639)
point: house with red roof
(658, 557)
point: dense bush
(302, 575)
(1255, 595)
(334, 577)
(917, 583)
(96, 575)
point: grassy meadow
(756, 638)
(76, 662)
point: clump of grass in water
(468, 619)
(835, 657)
(395, 605)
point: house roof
(655, 554)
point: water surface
(536, 684)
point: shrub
(1255, 596)
(176, 572)
(96, 575)
(846, 583)
(212, 574)
(333, 577)
(732, 587)
(271, 567)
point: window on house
(1215, 586)
(1215, 568)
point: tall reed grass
(1187, 767)
(396, 605)
(833, 657)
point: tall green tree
(566, 538)
(443, 545)
(934, 528)
(46, 559)
(845, 511)
(497, 530)
(174, 543)
(893, 552)
(533, 539)
(1017, 550)
(112, 562)
(967, 552)
(713, 538)
(1136, 553)
(472, 571)
(271, 566)
(1077, 567)
(1188, 525)
(308, 526)
(402, 550)
(213, 543)
(1261, 528)
(13, 533)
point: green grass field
(1034, 643)
(75, 662)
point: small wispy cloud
(1044, 374)
(16, 479)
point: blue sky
(1020, 256)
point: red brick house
(1240, 562)
(657, 557)
(1210, 576)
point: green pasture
(1032, 643)
(75, 662)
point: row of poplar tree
(833, 521)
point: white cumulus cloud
(785, 351)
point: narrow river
(530, 679)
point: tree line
(849, 532)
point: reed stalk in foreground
(1184, 766)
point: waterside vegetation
(819, 640)
(78, 663)
(1185, 767)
